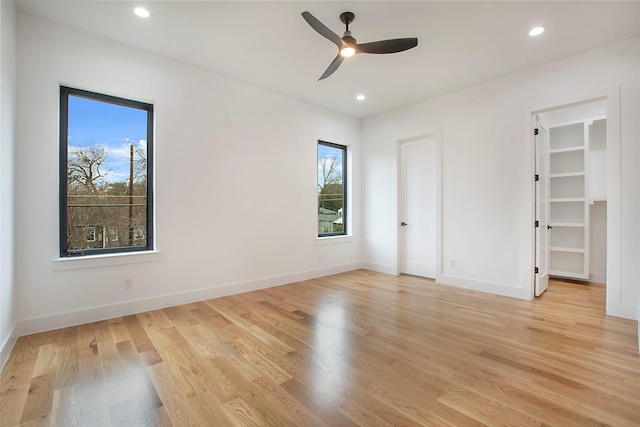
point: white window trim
(329, 240)
(105, 260)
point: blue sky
(108, 126)
(325, 151)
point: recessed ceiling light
(360, 97)
(536, 31)
(141, 12)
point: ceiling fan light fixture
(347, 51)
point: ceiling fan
(347, 45)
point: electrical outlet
(319, 257)
(128, 283)
(452, 263)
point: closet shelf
(572, 275)
(567, 199)
(560, 249)
(566, 174)
(566, 149)
(567, 224)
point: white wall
(486, 166)
(235, 183)
(7, 137)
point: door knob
(403, 223)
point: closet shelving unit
(569, 199)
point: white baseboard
(7, 346)
(379, 268)
(461, 282)
(623, 310)
(478, 285)
(598, 277)
(94, 314)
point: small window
(113, 234)
(106, 174)
(140, 233)
(332, 189)
(91, 234)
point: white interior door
(417, 208)
(542, 207)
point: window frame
(65, 92)
(345, 224)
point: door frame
(437, 137)
(614, 303)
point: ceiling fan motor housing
(348, 39)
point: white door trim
(437, 136)
(615, 305)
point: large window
(106, 165)
(332, 189)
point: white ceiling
(268, 43)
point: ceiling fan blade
(332, 67)
(388, 46)
(322, 29)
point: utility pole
(131, 195)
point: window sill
(328, 240)
(104, 260)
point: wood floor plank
(485, 410)
(254, 354)
(37, 408)
(321, 404)
(244, 415)
(14, 385)
(91, 389)
(299, 414)
(273, 415)
(176, 403)
(563, 388)
(354, 349)
(138, 336)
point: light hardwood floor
(354, 349)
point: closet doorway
(571, 193)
